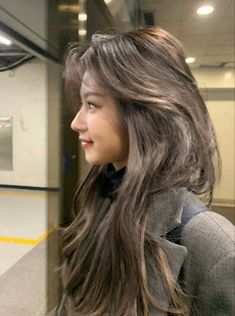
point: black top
(112, 180)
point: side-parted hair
(172, 144)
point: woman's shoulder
(209, 264)
(209, 238)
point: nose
(79, 123)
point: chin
(96, 162)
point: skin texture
(99, 124)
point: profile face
(100, 125)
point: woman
(147, 135)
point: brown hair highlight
(172, 144)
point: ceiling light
(82, 32)
(107, 1)
(4, 40)
(190, 60)
(82, 17)
(68, 8)
(208, 9)
(5, 119)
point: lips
(86, 143)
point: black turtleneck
(113, 179)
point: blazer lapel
(164, 215)
(175, 255)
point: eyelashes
(91, 106)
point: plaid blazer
(206, 254)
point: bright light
(68, 8)
(205, 10)
(228, 75)
(4, 40)
(107, 1)
(82, 17)
(190, 60)
(5, 119)
(82, 32)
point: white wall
(214, 77)
(24, 97)
(223, 116)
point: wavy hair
(171, 144)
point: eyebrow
(87, 94)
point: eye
(91, 106)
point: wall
(24, 97)
(218, 87)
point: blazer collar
(164, 215)
(166, 210)
(175, 255)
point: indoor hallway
(39, 151)
(23, 248)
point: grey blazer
(206, 253)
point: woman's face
(100, 125)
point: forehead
(91, 83)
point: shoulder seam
(215, 222)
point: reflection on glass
(6, 143)
(82, 21)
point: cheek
(100, 125)
(95, 126)
(116, 131)
(120, 139)
(108, 131)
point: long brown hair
(171, 144)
